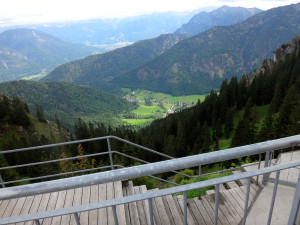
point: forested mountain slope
(200, 63)
(67, 101)
(98, 70)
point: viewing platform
(236, 199)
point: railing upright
(246, 201)
(110, 155)
(199, 190)
(295, 206)
(185, 207)
(273, 197)
(2, 182)
(265, 176)
(259, 162)
(151, 211)
(216, 204)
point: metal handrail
(148, 169)
(153, 194)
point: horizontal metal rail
(148, 169)
(83, 141)
(53, 161)
(145, 196)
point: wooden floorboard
(177, 219)
(140, 207)
(168, 210)
(68, 203)
(190, 218)
(102, 213)
(120, 208)
(198, 217)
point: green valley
(155, 105)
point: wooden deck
(168, 210)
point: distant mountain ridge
(200, 63)
(25, 52)
(98, 70)
(223, 16)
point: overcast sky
(41, 11)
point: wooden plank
(86, 194)
(173, 210)
(226, 195)
(93, 214)
(3, 206)
(110, 194)
(126, 206)
(242, 192)
(237, 197)
(230, 207)
(210, 210)
(211, 200)
(76, 201)
(162, 211)
(190, 218)
(140, 207)
(120, 208)
(223, 210)
(155, 211)
(10, 207)
(51, 205)
(204, 213)
(18, 208)
(143, 189)
(59, 204)
(195, 212)
(68, 203)
(134, 216)
(251, 194)
(35, 205)
(26, 207)
(102, 213)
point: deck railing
(149, 170)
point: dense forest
(19, 129)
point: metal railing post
(37, 222)
(216, 203)
(110, 155)
(199, 190)
(115, 215)
(295, 205)
(2, 182)
(259, 162)
(185, 207)
(273, 197)
(151, 211)
(77, 218)
(246, 201)
(265, 176)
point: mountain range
(25, 52)
(223, 16)
(98, 70)
(194, 65)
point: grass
(146, 110)
(154, 111)
(137, 122)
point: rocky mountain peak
(290, 47)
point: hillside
(25, 52)
(68, 102)
(19, 129)
(223, 16)
(97, 70)
(200, 63)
